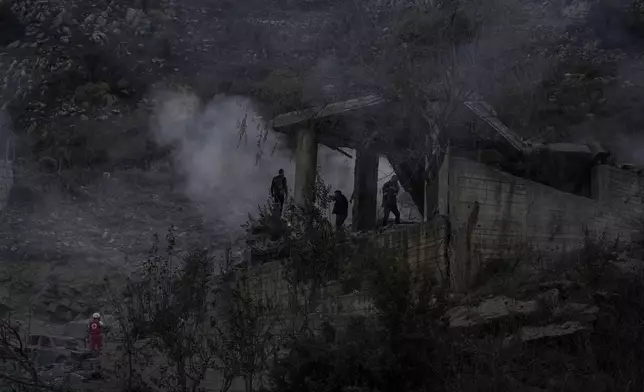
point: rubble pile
(79, 63)
(548, 316)
(544, 322)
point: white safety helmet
(96, 316)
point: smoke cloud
(227, 156)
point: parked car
(48, 350)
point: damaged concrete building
(482, 190)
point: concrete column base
(306, 157)
(365, 203)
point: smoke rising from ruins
(223, 151)
(228, 157)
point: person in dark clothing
(340, 208)
(390, 200)
(279, 190)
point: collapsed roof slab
(591, 152)
(572, 148)
(487, 114)
(333, 121)
(291, 118)
(326, 125)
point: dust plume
(227, 156)
(224, 152)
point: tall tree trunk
(249, 382)
(130, 363)
(182, 380)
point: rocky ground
(57, 248)
(75, 78)
(553, 331)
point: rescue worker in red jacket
(95, 333)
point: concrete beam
(341, 151)
(568, 148)
(365, 203)
(335, 108)
(306, 157)
(487, 114)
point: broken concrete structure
(358, 124)
(491, 213)
(306, 157)
(365, 190)
(307, 126)
(483, 205)
(484, 214)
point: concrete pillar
(600, 183)
(365, 188)
(427, 214)
(443, 185)
(306, 160)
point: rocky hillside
(76, 77)
(566, 326)
(70, 67)
(56, 249)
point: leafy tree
(169, 304)
(132, 352)
(395, 348)
(17, 370)
(312, 250)
(246, 331)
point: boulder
(629, 266)
(561, 285)
(530, 333)
(489, 310)
(550, 298)
(577, 311)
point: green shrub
(436, 28)
(168, 302)
(396, 349)
(94, 95)
(636, 16)
(326, 363)
(281, 90)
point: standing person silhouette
(390, 200)
(340, 208)
(279, 190)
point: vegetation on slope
(530, 323)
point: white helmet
(96, 316)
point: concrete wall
(426, 250)
(484, 214)
(492, 212)
(425, 246)
(269, 282)
(618, 186)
